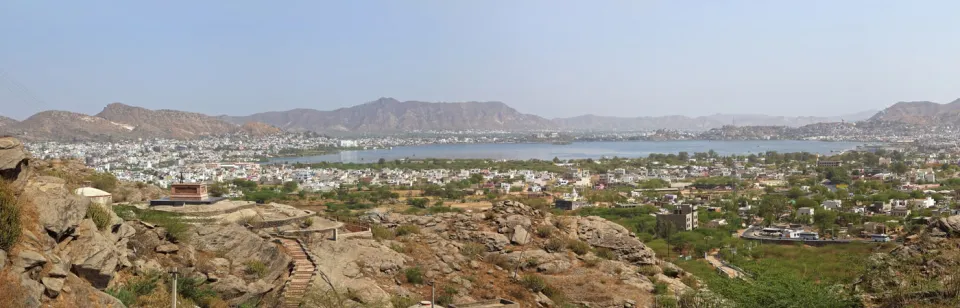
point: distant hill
(921, 112)
(166, 123)
(387, 115)
(593, 122)
(5, 121)
(67, 126)
(118, 122)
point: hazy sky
(551, 58)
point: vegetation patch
(9, 217)
(407, 229)
(413, 275)
(256, 268)
(99, 215)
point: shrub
(135, 287)
(195, 290)
(545, 231)
(177, 229)
(382, 233)
(691, 282)
(555, 245)
(535, 283)
(103, 181)
(499, 260)
(648, 270)
(403, 301)
(308, 222)
(414, 275)
(671, 272)
(660, 288)
(407, 229)
(578, 247)
(99, 215)
(256, 268)
(9, 217)
(472, 250)
(605, 253)
(592, 262)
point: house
(684, 217)
(900, 211)
(95, 195)
(716, 223)
(805, 213)
(922, 203)
(880, 207)
(569, 205)
(832, 205)
(828, 163)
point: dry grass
(10, 289)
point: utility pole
(173, 288)
(433, 293)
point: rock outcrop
(58, 210)
(493, 245)
(13, 158)
(599, 232)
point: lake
(576, 150)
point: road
(732, 273)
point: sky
(551, 58)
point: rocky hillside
(923, 272)
(390, 115)
(58, 249)
(5, 121)
(167, 123)
(259, 129)
(511, 251)
(923, 113)
(68, 126)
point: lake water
(576, 150)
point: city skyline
(556, 59)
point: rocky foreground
(473, 257)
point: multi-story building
(683, 218)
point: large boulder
(93, 256)
(520, 235)
(58, 209)
(949, 225)
(13, 158)
(599, 232)
(240, 246)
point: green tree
(381, 161)
(418, 202)
(898, 167)
(218, 189)
(290, 186)
(104, 181)
(556, 160)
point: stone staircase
(301, 276)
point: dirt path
(732, 273)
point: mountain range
(604, 123)
(388, 115)
(119, 121)
(921, 113)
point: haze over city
(550, 58)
